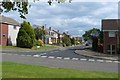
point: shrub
(40, 43)
(26, 36)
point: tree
(91, 32)
(26, 37)
(21, 6)
(72, 41)
(95, 35)
(39, 32)
(66, 39)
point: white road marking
(55, 51)
(116, 61)
(59, 57)
(4, 53)
(27, 51)
(9, 54)
(108, 61)
(83, 59)
(51, 57)
(28, 55)
(51, 52)
(22, 55)
(15, 54)
(100, 60)
(67, 58)
(91, 60)
(43, 53)
(43, 56)
(74, 58)
(36, 55)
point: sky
(74, 18)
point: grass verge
(16, 70)
(33, 48)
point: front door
(111, 49)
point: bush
(26, 36)
(40, 43)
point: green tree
(66, 40)
(21, 6)
(91, 32)
(26, 36)
(39, 32)
(95, 35)
(72, 41)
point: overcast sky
(75, 17)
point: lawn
(33, 48)
(16, 70)
(44, 47)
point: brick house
(111, 39)
(8, 31)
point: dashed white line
(59, 57)
(15, 54)
(91, 60)
(22, 55)
(108, 61)
(43, 53)
(66, 58)
(100, 60)
(36, 55)
(51, 57)
(116, 61)
(9, 54)
(43, 56)
(55, 51)
(28, 55)
(83, 59)
(74, 58)
(4, 53)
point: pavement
(97, 55)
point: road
(63, 58)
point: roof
(8, 20)
(110, 24)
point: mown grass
(44, 47)
(33, 48)
(16, 70)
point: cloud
(75, 17)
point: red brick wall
(3, 30)
(108, 40)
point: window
(14, 27)
(4, 35)
(111, 34)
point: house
(78, 39)
(8, 31)
(53, 36)
(111, 39)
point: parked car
(88, 43)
